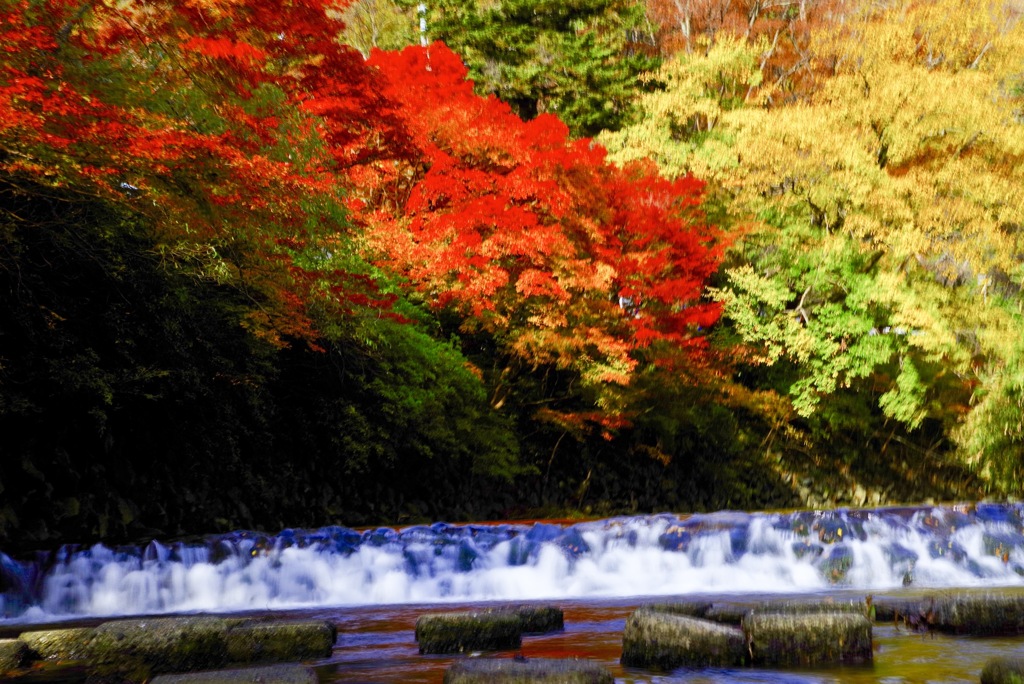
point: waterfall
(655, 555)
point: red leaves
(567, 259)
(224, 48)
(662, 263)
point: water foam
(619, 557)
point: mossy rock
(138, 648)
(14, 653)
(976, 614)
(250, 642)
(60, 644)
(780, 640)
(469, 631)
(273, 674)
(135, 649)
(532, 671)
(664, 641)
(1003, 671)
(535, 619)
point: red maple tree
(567, 259)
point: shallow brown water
(377, 645)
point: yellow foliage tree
(884, 210)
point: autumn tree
(568, 261)
(191, 339)
(251, 187)
(232, 125)
(882, 212)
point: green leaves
(567, 59)
(827, 324)
(905, 402)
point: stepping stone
(782, 640)
(665, 641)
(1003, 670)
(976, 614)
(468, 631)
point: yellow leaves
(965, 42)
(919, 159)
(613, 371)
(689, 124)
(706, 86)
(768, 291)
(889, 199)
(917, 312)
(601, 358)
(946, 35)
(377, 24)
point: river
(374, 583)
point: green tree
(579, 60)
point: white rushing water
(725, 552)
